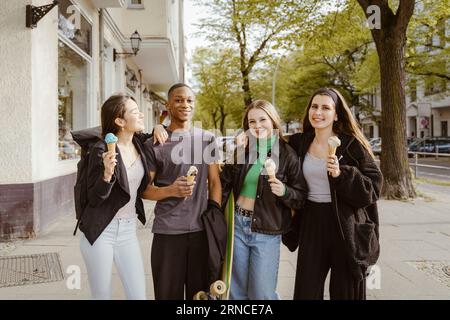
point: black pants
(179, 261)
(321, 248)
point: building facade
(54, 80)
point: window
(444, 129)
(74, 26)
(129, 75)
(135, 4)
(73, 75)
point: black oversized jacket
(354, 194)
(272, 214)
(105, 199)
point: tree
(257, 28)
(330, 56)
(390, 42)
(219, 98)
(428, 53)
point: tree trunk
(246, 88)
(394, 157)
(222, 119)
(214, 119)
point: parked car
(431, 145)
(373, 141)
(376, 147)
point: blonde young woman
(338, 227)
(262, 209)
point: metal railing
(416, 163)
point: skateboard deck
(228, 262)
(220, 289)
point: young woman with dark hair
(116, 180)
(337, 228)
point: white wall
(44, 107)
(150, 21)
(15, 93)
(45, 162)
(116, 80)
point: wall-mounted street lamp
(34, 14)
(133, 81)
(135, 44)
(146, 94)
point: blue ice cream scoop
(111, 138)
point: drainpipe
(101, 60)
(140, 89)
(182, 47)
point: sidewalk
(415, 254)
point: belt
(243, 212)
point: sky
(192, 15)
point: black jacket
(272, 214)
(105, 199)
(354, 195)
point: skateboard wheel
(201, 295)
(218, 288)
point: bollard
(416, 162)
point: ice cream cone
(270, 166)
(191, 174)
(111, 140)
(333, 143)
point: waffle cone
(331, 150)
(190, 179)
(111, 146)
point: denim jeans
(256, 259)
(118, 243)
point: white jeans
(118, 243)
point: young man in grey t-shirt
(179, 255)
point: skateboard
(220, 289)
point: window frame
(135, 6)
(90, 99)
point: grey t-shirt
(315, 172)
(172, 160)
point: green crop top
(250, 184)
